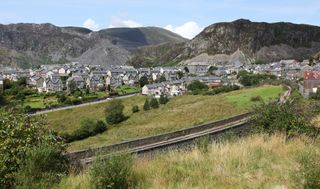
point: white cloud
(90, 24)
(117, 22)
(187, 30)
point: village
(170, 81)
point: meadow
(180, 112)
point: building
(311, 82)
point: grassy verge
(258, 161)
(180, 112)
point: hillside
(240, 40)
(180, 112)
(131, 38)
(27, 45)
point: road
(81, 105)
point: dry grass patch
(258, 161)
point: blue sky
(185, 17)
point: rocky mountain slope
(239, 40)
(28, 45)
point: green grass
(258, 161)
(126, 89)
(242, 99)
(40, 101)
(180, 112)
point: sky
(184, 17)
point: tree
(61, 98)
(135, 109)
(146, 105)
(114, 112)
(162, 79)
(197, 85)
(186, 69)
(72, 86)
(143, 81)
(154, 103)
(180, 74)
(163, 99)
(43, 167)
(113, 172)
(18, 133)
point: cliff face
(26, 45)
(265, 41)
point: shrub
(100, 127)
(256, 98)
(27, 108)
(197, 86)
(143, 81)
(163, 99)
(114, 112)
(146, 105)
(87, 128)
(154, 103)
(135, 109)
(289, 118)
(43, 167)
(25, 132)
(114, 172)
(61, 98)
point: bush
(289, 118)
(100, 127)
(114, 112)
(251, 79)
(163, 99)
(27, 109)
(197, 86)
(25, 132)
(154, 103)
(115, 171)
(143, 81)
(223, 88)
(87, 128)
(43, 167)
(146, 105)
(135, 109)
(256, 98)
(61, 98)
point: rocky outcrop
(256, 40)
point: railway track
(167, 140)
(158, 142)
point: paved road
(83, 104)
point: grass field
(40, 101)
(258, 161)
(180, 112)
(126, 89)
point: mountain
(131, 38)
(241, 40)
(28, 45)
